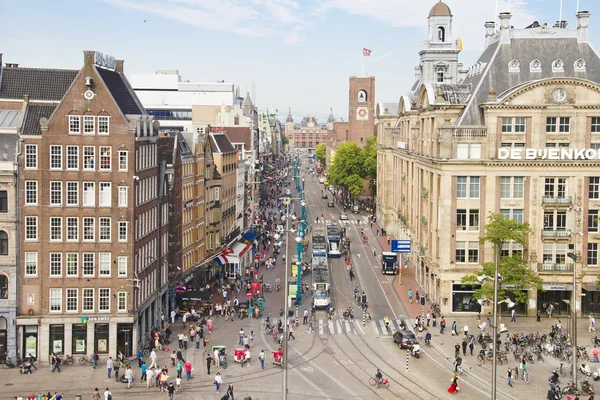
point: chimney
(583, 20)
(88, 57)
(119, 66)
(26, 98)
(12, 65)
(490, 28)
(505, 27)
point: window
(515, 214)
(88, 228)
(72, 299)
(87, 296)
(122, 231)
(72, 228)
(104, 299)
(461, 252)
(592, 254)
(105, 194)
(103, 125)
(73, 157)
(72, 193)
(74, 124)
(55, 193)
(511, 249)
(217, 193)
(554, 253)
(3, 243)
(31, 161)
(31, 229)
(512, 187)
(595, 124)
(593, 221)
(557, 144)
(123, 160)
(513, 144)
(513, 124)
(55, 300)
(558, 124)
(122, 265)
(55, 157)
(89, 194)
(555, 220)
(88, 264)
(31, 193)
(555, 187)
(122, 304)
(72, 264)
(468, 151)
(123, 196)
(89, 157)
(461, 187)
(104, 264)
(55, 264)
(3, 201)
(104, 223)
(88, 125)
(105, 158)
(467, 218)
(594, 187)
(440, 76)
(3, 287)
(55, 228)
(31, 259)
(473, 253)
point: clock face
(362, 114)
(559, 94)
(88, 94)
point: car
(330, 203)
(326, 182)
(321, 180)
(405, 339)
(344, 216)
(324, 195)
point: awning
(221, 260)
(250, 235)
(590, 287)
(194, 295)
(239, 249)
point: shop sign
(85, 320)
(557, 287)
(548, 153)
(104, 60)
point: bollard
(407, 358)
(364, 315)
(296, 313)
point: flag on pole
(366, 52)
(460, 45)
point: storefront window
(79, 339)
(101, 338)
(124, 338)
(555, 297)
(591, 302)
(463, 299)
(30, 340)
(520, 309)
(57, 338)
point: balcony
(469, 132)
(557, 201)
(556, 234)
(553, 268)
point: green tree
(370, 159)
(514, 271)
(285, 140)
(320, 153)
(347, 168)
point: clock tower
(361, 109)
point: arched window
(3, 243)
(441, 31)
(3, 287)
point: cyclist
(386, 321)
(428, 338)
(457, 364)
(523, 366)
(378, 377)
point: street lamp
(573, 256)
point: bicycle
(9, 363)
(526, 376)
(384, 382)
(86, 360)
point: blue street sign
(401, 246)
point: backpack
(109, 397)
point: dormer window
(579, 65)
(535, 66)
(440, 74)
(558, 66)
(514, 66)
(441, 34)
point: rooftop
(38, 83)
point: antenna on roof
(560, 13)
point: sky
(298, 53)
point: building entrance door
(3, 337)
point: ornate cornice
(553, 81)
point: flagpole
(560, 14)
(577, 5)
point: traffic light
(422, 301)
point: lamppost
(573, 256)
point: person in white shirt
(173, 317)
(153, 357)
(218, 381)
(246, 357)
(107, 393)
(129, 376)
(149, 377)
(216, 357)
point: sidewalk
(404, 281)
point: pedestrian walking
(389, 240)
(173, 314)
(216, 357)
(454, 328)
(464, 346)
(428, 318)
(188, 370)
(109, 366)
(466, 330)
(310, 326)
(305, 319)
(241, 336)
(471, 345)
(261, 358)
(230, 391)
(149, 377)
(410, 295)
(291, 332)
(595, 354)
(509, 376)
(456, 350)
(144, 371)
(129, 377)
(208, 362)
(513, 316)
(442, 325)
(95, 395)
(107, 394)
(173, 358)
(185, 341)
(171, 390)
(153, 357)
(538, 315)
(177, 385)
(218, 381)
(179, 368)
(140, 358)
(592, 327)
(433, 320)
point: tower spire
(289, 116)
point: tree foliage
(285, 140)
(370, 159)
(320, 153)
(347, 168)
(514, 272)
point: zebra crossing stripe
(348, 328)
(330, 325)
(338, 325)
(320, 327)
(374, 327)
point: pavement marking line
(348, 328)
(339, 326)
(305, 378)
(320, 327)
(331, 327)
(327, 374)
(357, 325)
(374, 327)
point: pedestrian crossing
(340, 326)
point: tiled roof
(239, 134)
(31, 125)
(120, 91)
(38, 83)
(221, 143)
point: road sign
(401, 246)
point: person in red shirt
(188, 370)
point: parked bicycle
(10, 363)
